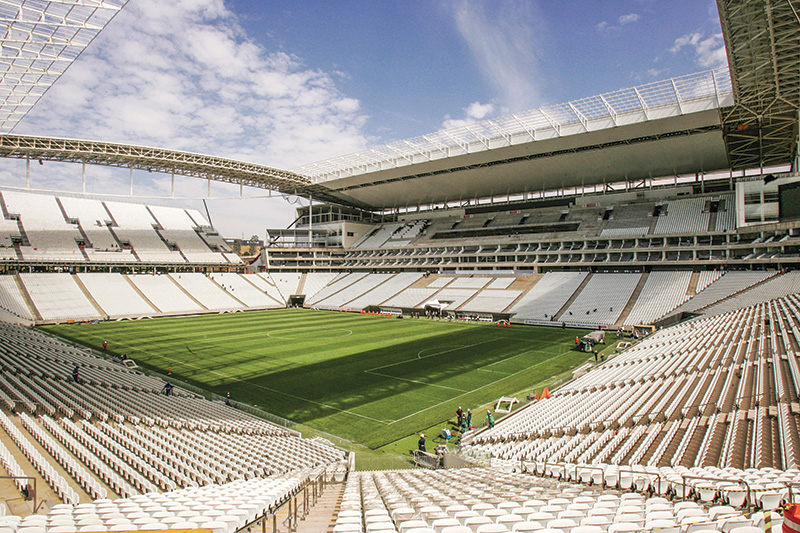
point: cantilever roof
(39, 41)
(678, 96)
(152, 159)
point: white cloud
(505, 41)
(474, 112)
(709, 52)
(205, 88)
(624, 20)
(184, 75)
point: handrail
(317, 486)
(35, 507)
(684, 477)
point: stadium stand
(350, 290)
(778, 286)
(94, 221)
(115, 429)
(115, 296)
(251, 290)
(410, 298)
(683, 216)
(57, 297)
(286, 284)
(11, 299)
(726, 285)
(602, 299)
(548, 296)
(178, 229)
(47, 235)
(205, 291)
(695, 394)
(164, 294)
(51, 229)
(385, 290)
(338, 284)
(135, 228)
(491, 301)
(662, 292)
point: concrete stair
(322, 516)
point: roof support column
(310, 224)
(83, 177)
(28, 172)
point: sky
(288, 83)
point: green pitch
(369, 379)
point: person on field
(421, 442)
(469, 419)
(490, 419)
(228, 398)
(459, 415)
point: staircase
(572, 298)
(323, 514)
(631, 301)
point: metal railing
(298, 504)
(32, 489)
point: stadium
(609, 287)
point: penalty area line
(468, 392)
(414, 381)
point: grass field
(368, 379)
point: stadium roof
(703, 122)
(156, 160)
(762, 38)
(629, 134)
(40, 41)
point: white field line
(226, 376)
(473, 390)
(414, 381)
(419, 356)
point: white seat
(456, 529)
(404, 527)
(509, 519)
(182, 525)
(491, 528)
(623, 527)
(475, 521)
(602, 521)
(747, 529)
(526, 526)
(588, 529)
(442, 523)
(729, 524)
(564, 524)
(347, 528)
(384, 526)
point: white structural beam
(39, 40)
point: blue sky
(289, 83)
